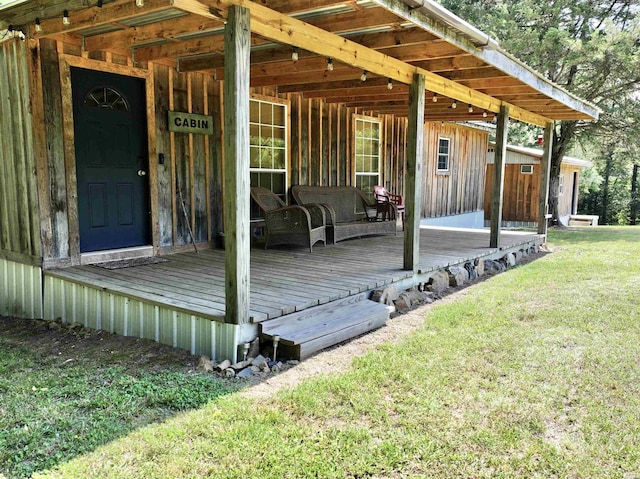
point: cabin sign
(190, 123)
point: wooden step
(306, 332)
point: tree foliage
(591, 48)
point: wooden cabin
(133, 129)
(522, 186)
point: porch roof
(389, 39)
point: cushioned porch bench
(350, 214)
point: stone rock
(385, 296)
(401, 305)
(510, 259)
(479, 264)
(277, 367)
(471, 269)
(457, 276)
(245, 373)
(224, 365)
(205, 364)
(293, 362)
(259, 359)
(240, 365)
(438, 282)
(254, 369)
(229, 372)
(75, 326)
(492, 265)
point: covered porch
(181, 301)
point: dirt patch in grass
(91, 346)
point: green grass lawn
(533, 373)
(64, 393)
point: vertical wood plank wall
(189, 176)
(521, 191)
(19, 219)
(461, 189)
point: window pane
(374, 164)
(375, 130)
(266, 113)
(279, 158)
(367, 147)
(266, 133)
(254, 112)
(279, 115)
(254, 156)
(254, 134)
(279, 137)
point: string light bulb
(454, 105)
(294, 54)
(38, 27)
(485, 114)
(435, 97)
(363, 77)
(329, 64)
(65, 18)
(139, 3)
(389, 84)
(470, 109)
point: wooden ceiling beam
(96, 16)
(368, 98)
(344, 22)
(290, 31)
(454, 63)
(483, 73)
(387, 42)
(186, 25)
(150, 33)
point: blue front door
(111, 160)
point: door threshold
(116, 254)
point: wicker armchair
(298, 225)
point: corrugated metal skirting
(97, 309)
(20, 290)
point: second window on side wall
(268, 148)
(367, 153)
(443, 154)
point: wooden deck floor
(286, 280)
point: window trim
(438, 169)
(561, 185)
(287, 133)
(369, 119)
(530, 172)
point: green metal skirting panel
(119, 314)
(20, 290)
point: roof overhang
(536, 154)
(391, 40)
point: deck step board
(317, 328)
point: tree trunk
(608, 166)
(561, 142)
(635, 198)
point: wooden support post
(545, 170)
(498, 177)
(414, 179)
(237, 44)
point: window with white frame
(444, 145)
(560, 184)
(526, 169)
(268, 148)
(367, 153)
